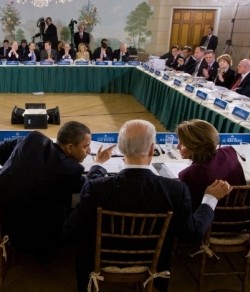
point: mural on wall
(117, 21)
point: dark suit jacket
(51, 35)
(37, 181)
(212, 72)
(44, 55)
(213, 42)
(13, 57)
(97, 53)
(23, 52)
(171, 62)
(2, 52)
(116, 55)
(134, 190)
(28, 58)
(229, 77)
(244, 86)
(189, 67)
(85, 39)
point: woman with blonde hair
(198, 141)
(226, 75)
(82, 53)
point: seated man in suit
(137, 189)
(37, 181)
(172, 61)
(32, 54)
(48, 54)
(211, 69)
(121, 55)
(66, 53)
(4, 50)
(103, 53)
(189, 59)
(23, 49)
(209, 41)
(13, 53)
(242, 82)
(200, 64)
(81, 36)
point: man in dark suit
(103, 53)
(210, 71)
(48, 54)
(172, 61)
(23, 49)
(121, 55)
(81, 36)
(199, 65)
(32, 54)
(242, 82)
(13, 53)
(209, 41)
(137, 189)
(37, 181)
(4, 50)
(189, 59)
(51, 33)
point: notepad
(170, 169)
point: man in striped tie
(241, 83)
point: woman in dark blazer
(226, 75)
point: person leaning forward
(37, 181)
(137, 189)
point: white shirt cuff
(210, 201)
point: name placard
(165, 76)
(177, 82)
(1, 63)
(221, 103)
(133, 63)
(240, 113)
(201, 94)
(63, 62)
(81, 63)
(10, 135)
(189, 88)
(12, 63)
(29, 63)
(157, 73)
(151, 70)
(101, 63)
(146, 66)
(46, 63)
(118, 63)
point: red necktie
(237, 83)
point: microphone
(162, 151)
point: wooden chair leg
(246, 275)
(202, 271)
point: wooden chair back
(129, 240)
(229, 233)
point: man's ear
(151, 150)
(68, 148)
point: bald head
(244, 66)
(136, 138)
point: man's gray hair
(136, 137)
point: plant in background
(10, 19)
(89, 16)
(137, 25)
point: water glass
(169, 139)
(244, 149)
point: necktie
(206, 42)
(33, 56)
(237, 83)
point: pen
(162, 151)
(171, 155)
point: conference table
(169, 103)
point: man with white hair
(137, 189)
(13, 52)
(241, 83)
(122, 54)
